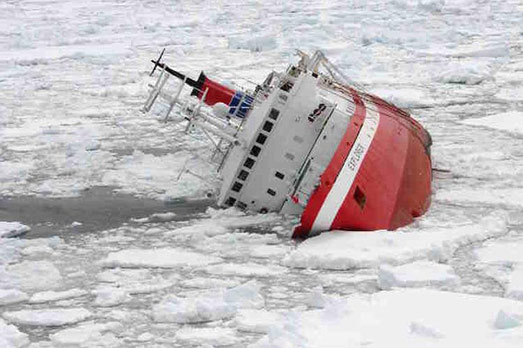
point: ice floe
(36, 250)
(158, 217)
(47, 317)
(257, 43)
(511, 121)
(12, 229)
(109, 296)
(511, 197)
(402, 318)
(140, 172)
(135, 281)
(49, 296)
(418, 274)
(502, 260)
(216, 337)
(10, 296)
(208, 306)
(465, 73)
(345, 250)
(404, 97)
(88, 335)
(255, 320)
(514, 287)
(206, 283)
(511, 93)
(11, 337)
(41, 55)
(161, 258)
(248, 269)
(32, 275)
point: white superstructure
(273, 159)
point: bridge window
(271, 192)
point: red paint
(217, 93)
(395, 175)
(331, 172)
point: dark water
(97, 209)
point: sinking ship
(307, 142)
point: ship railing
(195, 113)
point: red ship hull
(379, 177)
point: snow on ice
(10, 336)
(346, 250)
(494, 197)
(402, 318)
(109, 296)
(404, 97)
(511, 121)
(502, 260)
(49, 296)
(208, 306)
(255, 320)
(417, 274)
(9, 296)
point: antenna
(207, 92)
(157, 62)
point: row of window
(251, 160)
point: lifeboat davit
(316, 145)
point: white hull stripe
(347, 174)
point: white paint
(347, 174)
